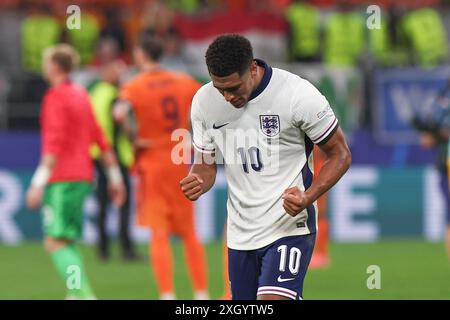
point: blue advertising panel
(401, 95)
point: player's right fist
(192, 186)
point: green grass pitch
(410, 269)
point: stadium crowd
(333, 33)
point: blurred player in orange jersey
(159, 102)
(320, 258)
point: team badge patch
(270, 124)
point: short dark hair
(228, 54)
(151, 44)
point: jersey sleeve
(202, 141)
(54, 123)
(313, 115)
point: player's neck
(259, 76)
(149, 67)
(58, 79)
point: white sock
(201, 295)
(167, 296)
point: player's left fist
(34, 197)
(295, 201)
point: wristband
(41, 176)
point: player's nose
(228, 96)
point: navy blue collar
(265, 79)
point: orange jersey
(161, 103)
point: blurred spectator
(173, 58)
(103, 95)
(304, 35)
(344, 36)
(114, 29)
(388, 43)
(84, 40)
(39, 31)
(428, 37)
(152, 15)
(108, 51)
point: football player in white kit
(264, 121)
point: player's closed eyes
(229, 90)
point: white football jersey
(266, 148)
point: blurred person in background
(39, 31)
(388, 44)
(63, 178)
(85, 36)
(107, 51)
(427, 37)
(159, 101)
(304, 31)
(85, 39)
(434, 128)
(153, 15)
(103, 95)
(344, 36)
(113, 28)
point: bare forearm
(201, 177)
(332, 170)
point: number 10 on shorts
(294, 259)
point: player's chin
(238, 103)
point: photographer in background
(434, 128)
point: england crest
(270, 124)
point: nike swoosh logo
(218, 127)
(284, 280)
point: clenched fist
(192, 186)
(295, 201)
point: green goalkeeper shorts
(62, 210)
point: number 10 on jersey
(254, 155)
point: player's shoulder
(68, 90)
(294, 82)
(207, 94)
(135, 80)
(301, 88)
(206, 99)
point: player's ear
(253, 68)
